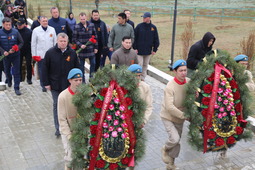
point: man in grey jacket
(118, 31)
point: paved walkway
(27, 140)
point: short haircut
(42, 17)
(62, 35)
(94, 11)
(126, 38)
(53, 8)
(6, 19)
(82, 14)
(126, 10)
(122, 15)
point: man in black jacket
(25, 51)
(198, 51)
(146, 42)
(102, 36)
(128, 14)
(58, 61)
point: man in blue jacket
(146, 42)
(8, 38)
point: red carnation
(130, 113)
(239, 130)
(15, 48)
(92, 141)
(238, 107)
(236, 95)
(206, 101)
(113, 166)
(231, 140)
(219, 142)
(125, 160)
(211, 134)
(103, 91)
(37, 58)
(100, 163)
(93, 129)
(96, 116)
(124, 90)
(233, 84)
(98, 103)
(208, 88)
(128, 101)
(211, 78)
(204, 112)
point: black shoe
(57, 134)
(10, 84)
(17, 92)
(44, 89)
(29, 82)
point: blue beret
(74, 73)
(135, 68)
(179, 63)
(241, 57)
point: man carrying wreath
(9, 38)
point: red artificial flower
(231, 140)
(219, 142)
(206, 101)
(211, 134)
(98, 103)
(125, 160)
(92, 141)
(93, 129)
(96, 116)
(130, 113)
(236, 95)
(103, 91)
(208, 88)
(233, 84)
(15, 48)
(124, 90)
(113, 166)
(128, 101)
(37, 58)
(238, 107)
(100, 163)
(211, 78)
(204, 112)
(239, 130)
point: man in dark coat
(25, 51)
(198, 51)
(128, 14)
(58, 61)
(102, 36)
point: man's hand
(136, 51)
(110, 49)
(6, 53)
(95, 51)
(153, 53)
(83, 46)
(48, 87)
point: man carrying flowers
(10, 43)
(172, 113)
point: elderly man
(125, 55)
(146, 42)
(172, 113)
(8, 38)
(243, 60)
(67, 112)
(58, 61)
(43, 38)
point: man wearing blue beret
(145, 90)
(243, 60)
(172, 113)
(67, 112)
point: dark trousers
(92, 66)
(14, 62)
(40, 71)
(109, 54)
(55, 95)
(1, 69)
(28, 58)
(98, 58)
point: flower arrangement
(15, 48)
(107, 130)
(218, 114)
(92, 40)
